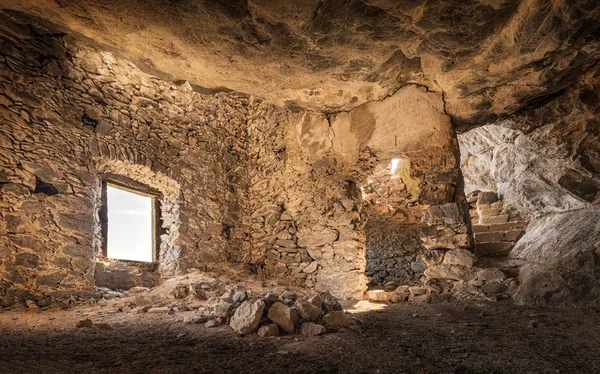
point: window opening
(131, 224)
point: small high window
(130, 225)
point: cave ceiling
(488, 58)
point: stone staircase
(496, 229)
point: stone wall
(496, 228)
(394, 252)
(241, 181)
(306, 220)
(68, 116)
(311, 176)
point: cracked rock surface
(488, 57)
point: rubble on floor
(247, 307)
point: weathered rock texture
(393, 251)
(288, 191)
(306, 169)
(489, 57)
(545, 164)
(70, 116)
(561, 255)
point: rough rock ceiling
(488, 57)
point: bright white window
(130, 225)
(394, 166)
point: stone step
(499, 248)
(498, 236)
(508, 226)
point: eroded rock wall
(70, 114)
(544, 162)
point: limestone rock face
(520, 167)
(544, 160)
(488, 57)
(247, 316)
(560, 255)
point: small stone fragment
(311, 329)
(84, 323)
(211, 323)
(160, 309)
(222, 309)
(239, 296)
(330, 303)
(311, 268)
(181, 291)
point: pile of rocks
(272, 315)
(452, 272)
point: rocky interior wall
(309, 214)
(306, 219)
(65, 110)
(393, 252)
(544, 162)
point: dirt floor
(402, 338)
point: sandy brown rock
(247, 316)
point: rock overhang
(488, 59)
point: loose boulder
(311, 329)
(247, 317)
(338, 319)
(283, 316)
(307, 310)
(268, 330)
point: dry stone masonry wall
(306, 220)
(68, 115)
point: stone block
(387, 296)
(489, 212)
(316, 239)
(338, 319)
(459, 257)
(444, 214)
(487, 197)
(283, 316)
(508, 226)
(480, 228)
(312, 329)
(513, 235)
(493, 248)
(497, 236)
(307, 310)
(502, 218)
(450, 272)
(268, 330)
(247, 316)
